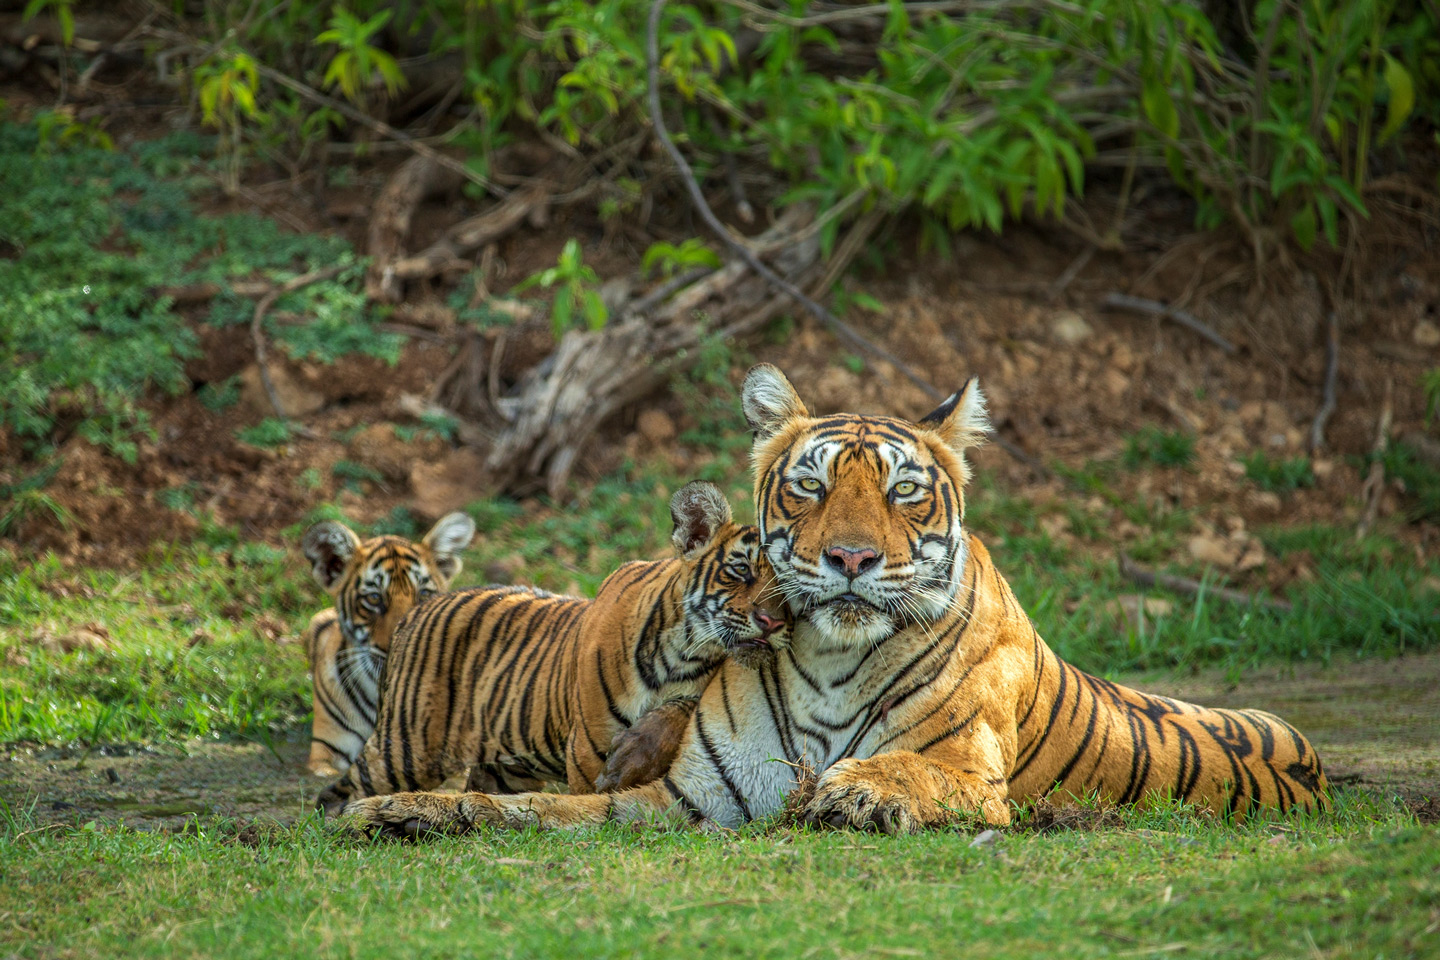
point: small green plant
(310, 480)
(672, 259)
(269, 432)
(575, 294)
(358, 64)
(1278, 476)
(220, 396)
(59, 130)
(399, 522)
(355, 473)
(1163, 448)
(1420, 479)
(227, 86)
(1430, 383)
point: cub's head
(861, 516)
(375, 582)
(731, 601)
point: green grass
(1278, 476)
(1162, 448)
(1360, 882)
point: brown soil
(1373, 722)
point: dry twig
(1374, 484)
(1121, 301)
(1332, 368)
(1194, 588)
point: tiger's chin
(849, 621)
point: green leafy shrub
(1163, 448)
(575, 294)
(1278, 476)
(220, 396)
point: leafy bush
(968, 117)
(1278, 476)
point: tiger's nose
(768, 623)
(852, 563)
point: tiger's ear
(699, 510)
(329, 546)
(451, 534)
(961, 421)
(769, 401)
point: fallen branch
(257, 331)
(417, 179)
(1121, 301)
(1194, 588)
(1332, 368)
(468, 235)
(1374, 483)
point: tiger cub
(375, 583)
(530, 687)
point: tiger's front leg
(413, 814)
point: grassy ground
(1358, 883)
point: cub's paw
(847, 797)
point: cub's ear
(769, 401)
(451, 534)
(699, 510)
(961, 420)
(329, 546)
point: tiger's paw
(849, 795)
(409, 815)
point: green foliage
(1420, 479)
(357, 64)
(269, 432)
(220, 396)
(672, 259)
(64, 13)
(575, 296)
(358, 472)
(1162, 448)
(1278, 476)
(1430, 383)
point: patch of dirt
(161, 788)
(1046, 817)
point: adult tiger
(529, 687)
(374, 582)
(915, 686)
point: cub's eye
(809, 484)
(904, 488)
(371, 599)
(427, 592)
(740, 570)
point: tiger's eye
(904, 488)
(809, 484)
(741, 570)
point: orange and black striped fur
(374, 583)
(530, 687)
(914, 685)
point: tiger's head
(731, 601)
(861, 516)
(376, 582)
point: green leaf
(1402, 98)
(1328, 219)
(1303, 224)
(595, 311)
(1160, 108)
